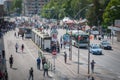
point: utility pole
(70, 47)
(78, 51)
(89, 53)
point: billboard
(117, 23)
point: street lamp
(89, 52)
(112, 8)
(78, 51)
(90, 5)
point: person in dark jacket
(38, 63)
(65, 57)
(11, 61)
(92, 66)
(31, 74)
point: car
(106, 45)
(95, 49)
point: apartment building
(7, 6)
(1, 11)
(31, 7)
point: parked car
(95, 49)
(106, 45)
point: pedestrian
(15, 34)
(5, 75)
(38, 63)
(16, 47)
(22, 47)
(3, 53)
(18, 34)
(65, 57)
(0, 59)
(31, 74)
(58, 48)
(92, 78)
(88, 78)
(43, 62)
(11, 61)
(92, 66)
(95, 36)
(61, 43)
(61, 39)
(46, 67)
(23, 36)
(1, 75)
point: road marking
(29, 51)
(118, 76)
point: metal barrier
(57, 75)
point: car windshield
(106, 43)
(95, 47)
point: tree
(112, 12)
(17, 6)
(94, 15)
(67, 8)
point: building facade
(7, 6)
(1, 10)
(116, 28)
(31, 7)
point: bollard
(51, 67)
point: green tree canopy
(17, 6)
(112, 12)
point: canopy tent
(69, 22)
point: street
(106, 67)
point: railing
(57, 75)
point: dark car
(106, 45)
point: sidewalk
(2, 59)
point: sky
(2, 1)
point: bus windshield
(84, 39)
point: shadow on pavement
(14, 68)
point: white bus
(42, 40)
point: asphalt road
(106, 67)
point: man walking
(11, 61)
(43, 62)
(31, 74)
(3, 53)
(92, 66)
(46, 67)
(16, 47)
(38, 63)
(65, 57)
(61, 43)
(22, 47)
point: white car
(95, 49)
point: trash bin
(99, 38)
(47, 49)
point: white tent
(66, 19)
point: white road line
(29, 51)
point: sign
(54, 52)
(66, 39)
(117, 23)
(79, 38)
(54, 34)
